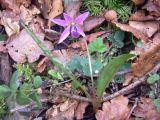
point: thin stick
(134, 106)
(25, 106)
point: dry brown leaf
(135, 32)
(28, 14)
(57, 8)
(42, 65)
(117, 109)
(153, 6)
(149, 56)
(44, 6)
(146, 110)
(65, 111)
(128, 78)
(80, 110)
(138, 2)
(148, 28)
(10, 22)
(92, 22)
(141, 16)
(2, 46)
(22, 47)
(14, 4)
(73, 8)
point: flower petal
(75, 34)
(81, 18)
(64, 34)
(60, 22)
(80, 31)
(67, 18)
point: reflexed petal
(67, 18)
(81, 18)
(64, 34)
(80, 31)
(60, 22)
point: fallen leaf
(148, 28)
(138, 34)
(149, 56)
(65, 111)
(116, 109)
(57, 8)
(146, 110)
(22, 47)
(73, 8)
(138, 2)
(28, 14)
(10, 22)
(128, 78)
(44, 6)
(153, 6)
(92, 22)
(2, 46)
(141, 16)
(80, 110)
(42, 65)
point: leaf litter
(143, 24)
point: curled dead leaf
(149, 56)
(92, 22)
(141, 16)
(153, 6)
(138, 2)
(117, 109)
(73, 8)
(146, 110)
(137, 33)
(80, 110)
(148, 28)
(22, 47)
(10, 22)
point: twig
(124, 90)
(76, 97)
(134, 106)
(25, 106)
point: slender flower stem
(91, 74)
(54, 60)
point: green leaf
(13, 82)
(97, 45)
(81, 65)
(5, 91)
(22, 99)
(117, 38)
(34, 96)
(153, 78)
(109, 72)
(157, 104)
(55, 74)
(37, 82)
(26, 88)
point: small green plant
(117, 38)
(106, 74)
(26, 71)
(3, 108)
(97, 45)
(157, 104)
(122, 8)
(93, 6)
(153, 78)
(81, 65)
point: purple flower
(71, 25)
